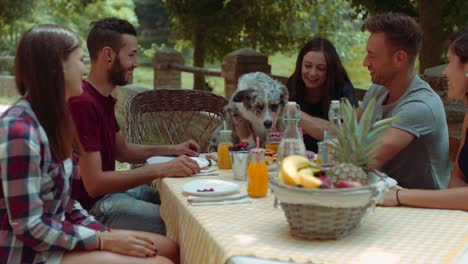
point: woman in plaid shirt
(41, 222)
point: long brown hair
(336, 73)
(458, 43)
(40, 79)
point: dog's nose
(267, 123)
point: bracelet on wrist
(99, 236)
(398, 197)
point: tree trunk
(433, 38)
(199, 59)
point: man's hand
(189, 148)
(182, 166)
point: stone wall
(455, 110)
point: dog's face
(260, 99)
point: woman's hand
(390, 198)
(129, 243)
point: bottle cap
(274, 135)
(257, 150)
(292, 110)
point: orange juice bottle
(224, 157)
(257, 174)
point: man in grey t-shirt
(423, 163)
(414, 150)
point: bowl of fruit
(330, 202)
(319, 206)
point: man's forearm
(119, 181)
(313, 126)
(140, 153)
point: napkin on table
(218, 200)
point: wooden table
(223, 233)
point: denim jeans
(135, 209)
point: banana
(315, 165)
(290, 166)
(308, 180)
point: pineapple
(354, 147)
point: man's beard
(117, 74)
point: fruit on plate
(297, 170)
(356, 141)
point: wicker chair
(172, 116)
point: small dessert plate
(209, 187)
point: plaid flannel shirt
(40, 218)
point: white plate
(219, 187)
(202, 162)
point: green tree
(154, 23)
(10, 11)
(77, 14)
(217, 27)
(437, 18)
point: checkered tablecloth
(213, 234)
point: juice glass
(257, 174)
(224, 157)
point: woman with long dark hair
(318, 79)
(41, 222)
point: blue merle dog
(252, 108)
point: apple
(348, 184)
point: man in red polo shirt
(119, 199)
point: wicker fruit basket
(327, 213)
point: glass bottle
(273, 140)
(224, 157)
(257, 174)
(329, 137)
(334, 116)
(291, 142)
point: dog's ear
(284, 95)
(243, 95)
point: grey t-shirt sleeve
(367, 96)
(415, 117)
